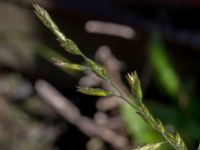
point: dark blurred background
(158, 38)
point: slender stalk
(174, 146)
(162, 131)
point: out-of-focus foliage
(161, 62)
(140, 132)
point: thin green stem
(121, 95)
(169, 141)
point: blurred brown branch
(72, 114)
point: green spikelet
(94, 91)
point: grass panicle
(135, 100)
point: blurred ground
(39, 105)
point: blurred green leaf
(48, 53)
(161, 62)
(138, 129)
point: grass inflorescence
(135, 100)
